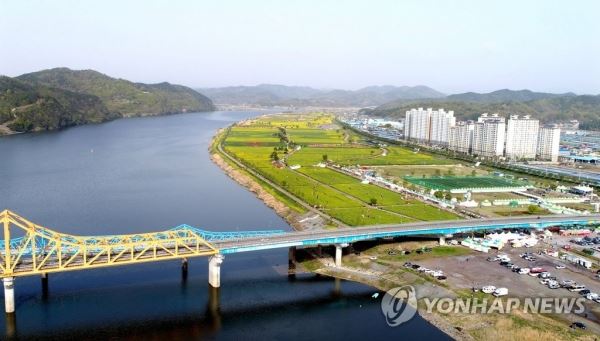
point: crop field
(447, 183)
(365, 156)
(386, 200)
(341, 196)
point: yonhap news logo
(399, 305)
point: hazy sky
(453, 46)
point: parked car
(524, 271)
(560, 266)
(567, 283)
(553, 285)
(488, 289)
(578, 325)
(577, 288)
(500, 292)
(591, 296)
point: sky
(452, 46)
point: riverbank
(299, 216)
(381, 266)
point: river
(150, 174)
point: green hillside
(59, 98)
(123, 96)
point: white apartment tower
(441, 122)
(489, 136)
(460, 138)
(521, 137)
(428, 126)
(416, 125)
(548, 143)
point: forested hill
(57, 98)
(546, 107)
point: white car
(524, 271)
(544, 281)
(373, 258)
(553, 285)
(591, 296)
(437, 273)
(488, 289)
(560, 266)
(500, 292)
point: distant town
(519, 140)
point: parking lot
(475, 271)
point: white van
(501, 292)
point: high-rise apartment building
(489, 136)
(441, 122)
(416, 125)
(428, 126)
(460, 137)
(521, 137)
(548, 143)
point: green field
(448, 183)
(341, 196)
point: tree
(532, 209)
(373, 201)
(448, 196)
(438, 194)
(325, 157)
(438, 172)
(473, 172)
(274, 156)
(284, 183)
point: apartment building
(521, 137)
(548, 143)
(429, 126)
(460, 137)
(489, 136)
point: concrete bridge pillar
(9, 294)
(44, 285)
(338, 254)
(292, 261)
(184, 268)
(442, 240)
(214, 270)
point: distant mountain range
(545, 106)
(57, 98)
(61, 97)
(272, 94)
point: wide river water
(151, 174)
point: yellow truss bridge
(30, 249)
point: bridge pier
(213, 307)
(442, 240)
(214, 270)
(338, 254)
(9, 294)
(44, 285)
(184, 268)
(292, 261)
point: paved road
(344, 235)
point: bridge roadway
(437, 228)
(62, 258)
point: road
(349, 235)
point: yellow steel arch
(30, 249)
